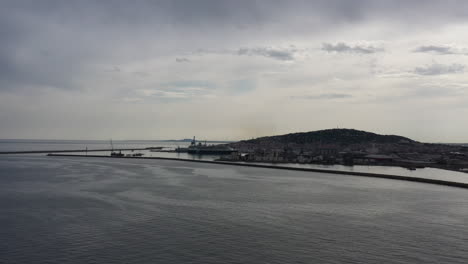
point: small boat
(181, 150)
(154, 149)
(115, 153)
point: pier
(67, 151)
(345, 173)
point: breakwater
(345, 173)
(67, 151)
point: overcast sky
(233, 69)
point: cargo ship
(205, 149)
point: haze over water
(70, 210)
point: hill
(331, 136)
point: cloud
(324, 96)
(185, 90)
(237, 87)
(179, 94)
(442, 50)
(439, 69)
(165, 94)
(438, 90)
(113, 69)
(274, 53)
(182, 60)
(101, 55)
(342, 47)
(54, 44)
(186, 84)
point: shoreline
(65, 151)
(404, 165)
(346, 173)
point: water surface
(80, 210)
(25, 145)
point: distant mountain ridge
(332, 136)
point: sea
(46, 145)
(101, 210)
(51, 145)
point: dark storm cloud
(336, 10)
(11, 35)
(218, 13)
(53, 43)
(38, 48)
(440, 69)
(342, 47)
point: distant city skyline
(232, 70)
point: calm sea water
(80, 210)
(30, 145)
(24, 145)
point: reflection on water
(429, 173)
(19, 145)
(67, 210)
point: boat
(115, 153)
(205, 149)
(181, 150)
(154, 149)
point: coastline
(396, 164)
(345, 173)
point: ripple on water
(115, 211)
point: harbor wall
(345, 173)
(65, 151)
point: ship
(115, 153)
(205, 149)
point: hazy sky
(233, 69)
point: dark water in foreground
(70, 210)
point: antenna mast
(112, 145)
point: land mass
(332, 136)
(190, 140)
(349, 147)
